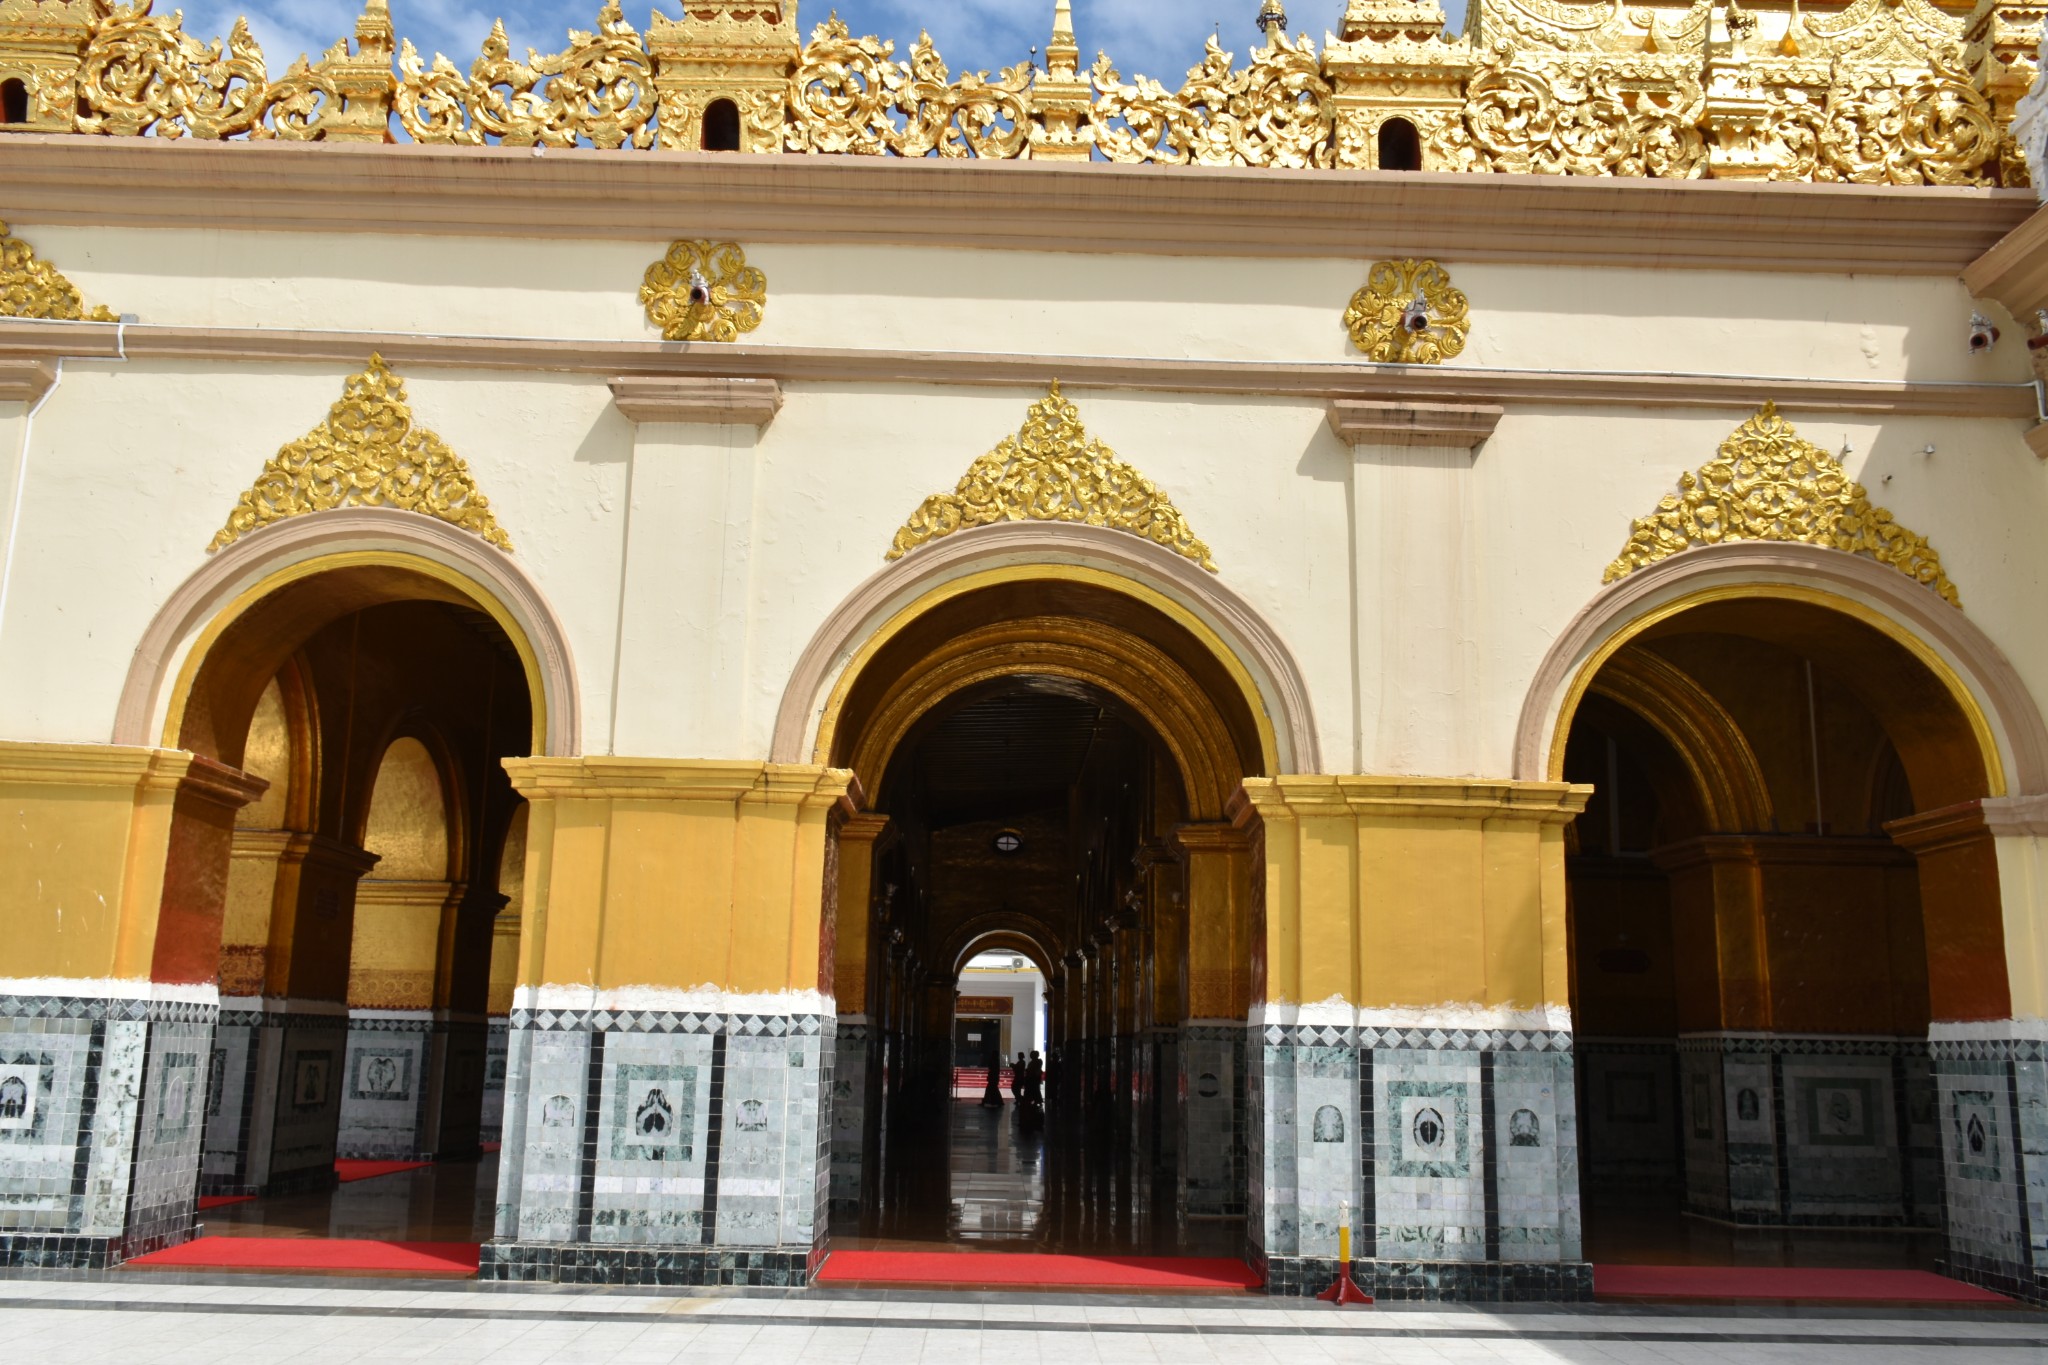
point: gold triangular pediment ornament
(1052, 470)
(368, 453)
(1768, 484)
(32, 288)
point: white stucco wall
(1418, 593)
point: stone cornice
(697, 401)
(646, 365)
(2014, 273)
(1443, 425)
(25, 379)
(1020, 205)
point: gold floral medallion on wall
(704, 291)
(369, 453)
(1408, 314)
(1768, 484)
(1052, 470)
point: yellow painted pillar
(1396, 892)
(673, 874)
(85, 841)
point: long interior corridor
(1048, 771)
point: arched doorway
(352, 926)
(1049, 759)
(1784, 879)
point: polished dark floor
(1650, 1232)
(1004, 1180)
(451, 1201)
(994, 1180)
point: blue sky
(1160, 38)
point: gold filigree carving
(1278, 111)
(141, 73)
(599, 90)
(1768, 484)
(32, 288)
(1876, 91)
(1052, 470)
(369, 453)
(1409, 313)
(704, 291)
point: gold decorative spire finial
(1052, 470)
(31, 288)
(367, 454)
(1063, 53)
(1768, 484)
(1273, 21)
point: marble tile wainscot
(102, 1105)
(1456, 1149)
(664, 1148)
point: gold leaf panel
(704, 291)
(30, 288)
(367, 454)
(1768, 484)
(1052, 470)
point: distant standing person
(992, 1093)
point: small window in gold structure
(722, 127)
(13, 100)
(1400, 146)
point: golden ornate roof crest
(1052, 470)
(1768, 484)
(368, 453)
(32, 288)
(1869, 91)
(704, 291)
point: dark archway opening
(1782, 855)
(356, 927)
(722, 127)
(1022, 811)
(1400, 146)
(13, 101)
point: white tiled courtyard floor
(149, 1321)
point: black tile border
(1430, 1039)
(704, 1022)
(102, 1008)
(1491, 1282)
(678, 1267)
(57, 1251)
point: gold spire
(1273, 21)
(1063, 53)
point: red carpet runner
(352, 1171)
(221, 1201)
(999, 1270)
(1781, 1284)
(315, 1253)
